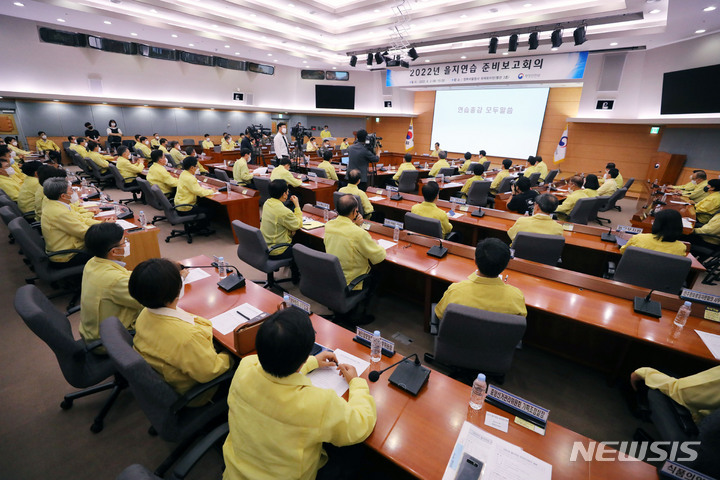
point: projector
(393, 62)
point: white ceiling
(321, 33)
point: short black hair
(122, 149)
(523, 184)
(325, 126)
(88, 124)
(156, 155)
(173, 143)
(667, 225)
(70, 138)
(207, 135)
(277, 188)
(47, 171)
(81, 139)
(4, 150)
(609, 166)
(482, 153)
(701, 174)
(507, 164)
(430, 191)
(442, 154)
(111, 122)
(103, 237)
(538, 158)
(29, 168)
(468, 155)
(284, 161)
(155, 283)
(714, 184)
(189, 162)
(478, 168)
(327, 154)
(281, 124)
(576, 180)
(346, 204)
(284, 342)
(547, 202)
(142, 139)
(137, 137)
(245, 151)
(190, 150)
(492, 255)
(531, 160)
(354, 176)
(362, 135)
(40, 133)
(613, 172)
(344, 138)
(591, 182)
(312, 138)
(408, 157)
(162, 140)
(92, 145)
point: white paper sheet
(90, 204)
(195, 274)
(386, 243)
(106, 213)
(678, 202)
(376, 198)
(497, 421)
(125, 224)
(260, 171)
(687, 223)
(712, 341)
(456, 214)
(331, 378)
(453, 185)
(228, 321)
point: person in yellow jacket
(531, 167)
(666, 230)
(591, 185)
(142, 147)
(163, 146)
(484, 289)
(501, 175)
(690, 186)
(96, 157)
(575, 185)
(699, 192)
(43, 144)
(436, 152)
(63, 227)
(12, 143)
(105, 280)
(608, 188)
(80, 147)
(274, 407)
(325, 132)
(708, 206)
(282, 172)
(279, 223)
(466, 164)
(241, 172)
(155, 140)
(428, 208)
(353, 179)
(177, 344)
(406, 165)
(344, 144)
(327, 166)
(541, 220)
(311, 145)
(29, 187)
(190, 152)
(227, 144)
(127, 168)
(704, 235)
(177, 155)
(618, 180)
(541, 167)
(10, 182)
(478, 172)
(158, 174)
(43, 173)
(441, 163)
(207, 144)
(188, 190)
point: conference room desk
(558, 189)
(378, 178)
(584, 249)
(449, 186)
(644, 217)
(415, 433)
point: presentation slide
(505, 122)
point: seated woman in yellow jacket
(10, 182)
(478, 172)
(177, 344)
(12, 143)
(468, 161)
(666, 230)
(706, 208)
(188, 190)
(591, 185)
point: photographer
(360, 157)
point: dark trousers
(197, 209)
(76, 260)
(288, 254)
(344, 463)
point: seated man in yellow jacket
(428, 208)
(163, 145)
(10, 181)
(311, 145)
(575, 185)
(710, 204)
(468, 161)
(478, 172)
(618, 180)
(207, 144)
(327, 166)
(44, 172)
(155, 141)
(63, 227)
(127, 168)
(177, 344)
(279, 223)
(241, 172)
(80, 146)
(98, 158)
(159, 175)
(541, 167)
(608, 188)
(43, 144)
(690, 186)
(29, 187)
(190, 152)
(344, 144)
(177, 155)
(441, 163)
(12, 143)
(142, 147)
(406, 165)
(282, 172)
(353, 179)
(530, 168)
(541, 220)
(705, 235)
(188, 190)
(436, 151)
(505, 172)
(699, 192)
(227, 144)
(484, 289)
(275, 408)
(105, 281)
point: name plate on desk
(700, 297)
(626, 229)
(390, 188)
(676, 471)
(392, 223)
(458, 200)
(517, 406)
(363, 337)
(324, 206)
(296, 302)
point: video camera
(300, 132)
(372, 142)
(257, 131)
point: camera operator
(361, 157)
(245, 142)
(281, 143)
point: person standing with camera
(360, 157)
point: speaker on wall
(611, 72)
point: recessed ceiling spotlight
(463, 57)
(654, 11)
(304, 61)
(145, 105)
(706, 9)
(173, 35)
(527, 5)
(19, 4)
(700, 31)
(376, 11)
(275, 60)
(252, 15)
(334, 68)
(104, 103)
(463, 16)
(554, 49)
(269, 54)
(61, 20)
(237, 53)
(107, 22)
(291, 5)
(614, 44)
(133, 34)
(505, 53)
(427, 60)
(191, 44)
(227, 46)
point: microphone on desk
(649, 307)
(437, 251)
(409, 376)
(374, 376)
(229, 283)
(608, 236)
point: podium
(666, 167)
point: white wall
(640, 90)
(35, 69)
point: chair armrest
(30, 214)
(611, 270)
(63, 252)
(191, 457)
(279, 245)
(183, 205)
(434, 321)
(129, 178)
(72, 310)
(196, 391)
(351, 286)
(93, 345)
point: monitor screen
(345, 160)
(691, 91)
(334, 96)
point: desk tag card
(464, 208)
(393, 224)
(378, 191)
(366, 226)
(712, 314)
(531, 412)
(364, 336)
(497, 421)
(568, 227)
(530, 426)
(296, 302)
(312, 175)
(626, 229)
(458, 200)
(700, 297)
(390, 188)
(244, 192)
(324, 206)
(676, 471)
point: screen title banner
(535, 69)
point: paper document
(376, 198)
(195, 274)
(678, 202)
(312, 224)
(455, 214)
(331, 378)
(90, 204)
(260, 171)
(712, 341)
(497, 421)
(453, 185)
(106, 213)
(228, 321)
(687, 223)
(386, 243)
(125, 224)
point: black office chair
(407, 182)
(221, 174)
(628, 184)
(263, 187)
(320, 172)
(424, 225)
(581, 211)
(534, 179)
(650, 269)
(337, 195)
(600, 201)
(79, 161)
(478, 193)
(447, 171)
(539, 247)
(505, 184)
(189, 222)
(253, 250)
(124, 187)
(610, 204)
(146, 188)
(79, 365)
(103, 179)
(172, 161)
(486, 165)
(188, 141)
(550, 176)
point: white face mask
(12, 154)
(694, 182)
(10, 171)
(147, 142)
(126, 249)
(283, 130)
(12, 160)
(44, 137)
(14, 142)
(74, 198)
(157, 138)
(112, 124)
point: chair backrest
(221, 174)
(321, 277)
(146, 188)
(252, 248)
(407, 183)
(486, 165)
(534, 179)
(119, 181)
(217, 148)
(505, 184)
(129, 143)
(478, 339)
(7, 214)
(539, 247)
(582, 210)
(318, 171)
(8, 202)
(551, 176)
(170, 213)
(94, 168)
(655, 270)
(613, 199)
(628, 183)
(427, 226)
(81, 162)
(337, 195)
(188, 141)
(263, 186)
(172, 161)
(150, 390)
(478, 193)
(81, 369)
(600, 202)
(447, 171)
(32, 245)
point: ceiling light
(61, 20)
(556, 38)
(146, 105)
(334, 68)
(579, 35)
(505, 53)
(614, 44)
(152, 10)
(107, 22)
(269, 54)
(492, 48)
(191, 44)
(227, 46)
(353, 61)
(527, 5)
(654, 11)
(376, 11)
(700, 31)
(463, 16)
(304, 61)
(237, 53)
(369, 59)
(707, 9)
(18, 4)
(173, 35)
(533, 41)
(427, 60)
(104, 103)
(554, 49)
(133, 34)
(513, 43)
(378, 58)
(290, 5)
(213, 26)
(412, 53)
(463, 57)
(275, 60)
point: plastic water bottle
(479, 389)
(389, 193)
(286, 300)
(222, 270)
(682, 314)
(228, 187)
(141, 219)
(84, 182)
(326, 214)
(376, 347)
(396, 233)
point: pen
(238, 312)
